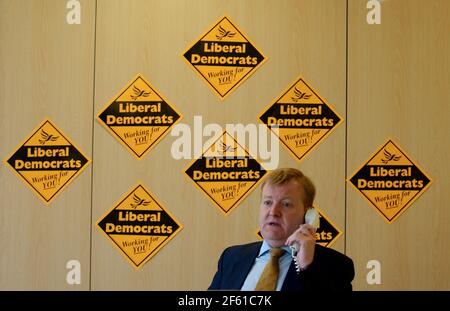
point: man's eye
(266, 202)
(286, 204)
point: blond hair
(282, 176)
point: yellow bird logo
(390, 157)
(47, 137)
(225, 148)
(223, 33)
(139, 93)
(300, 95)
(138, 202)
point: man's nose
(275, 209)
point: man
(286, 195)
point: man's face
(281, 212)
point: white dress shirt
(260, 263)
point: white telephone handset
(311, 217)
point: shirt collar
(265, 248)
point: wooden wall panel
(297, 41)
(398, 88)
(46, 70)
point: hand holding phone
(312, 218)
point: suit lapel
(242, 265)
(291, 282)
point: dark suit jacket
(329, 271)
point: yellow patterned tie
(269, 277)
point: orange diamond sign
(326, 234)
(226, 172)
(139, 117)
(47, 161)
(224, 57)
(390, 181)
(302, 117)
(139, 226)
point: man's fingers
(312, 230)
(304, 232)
